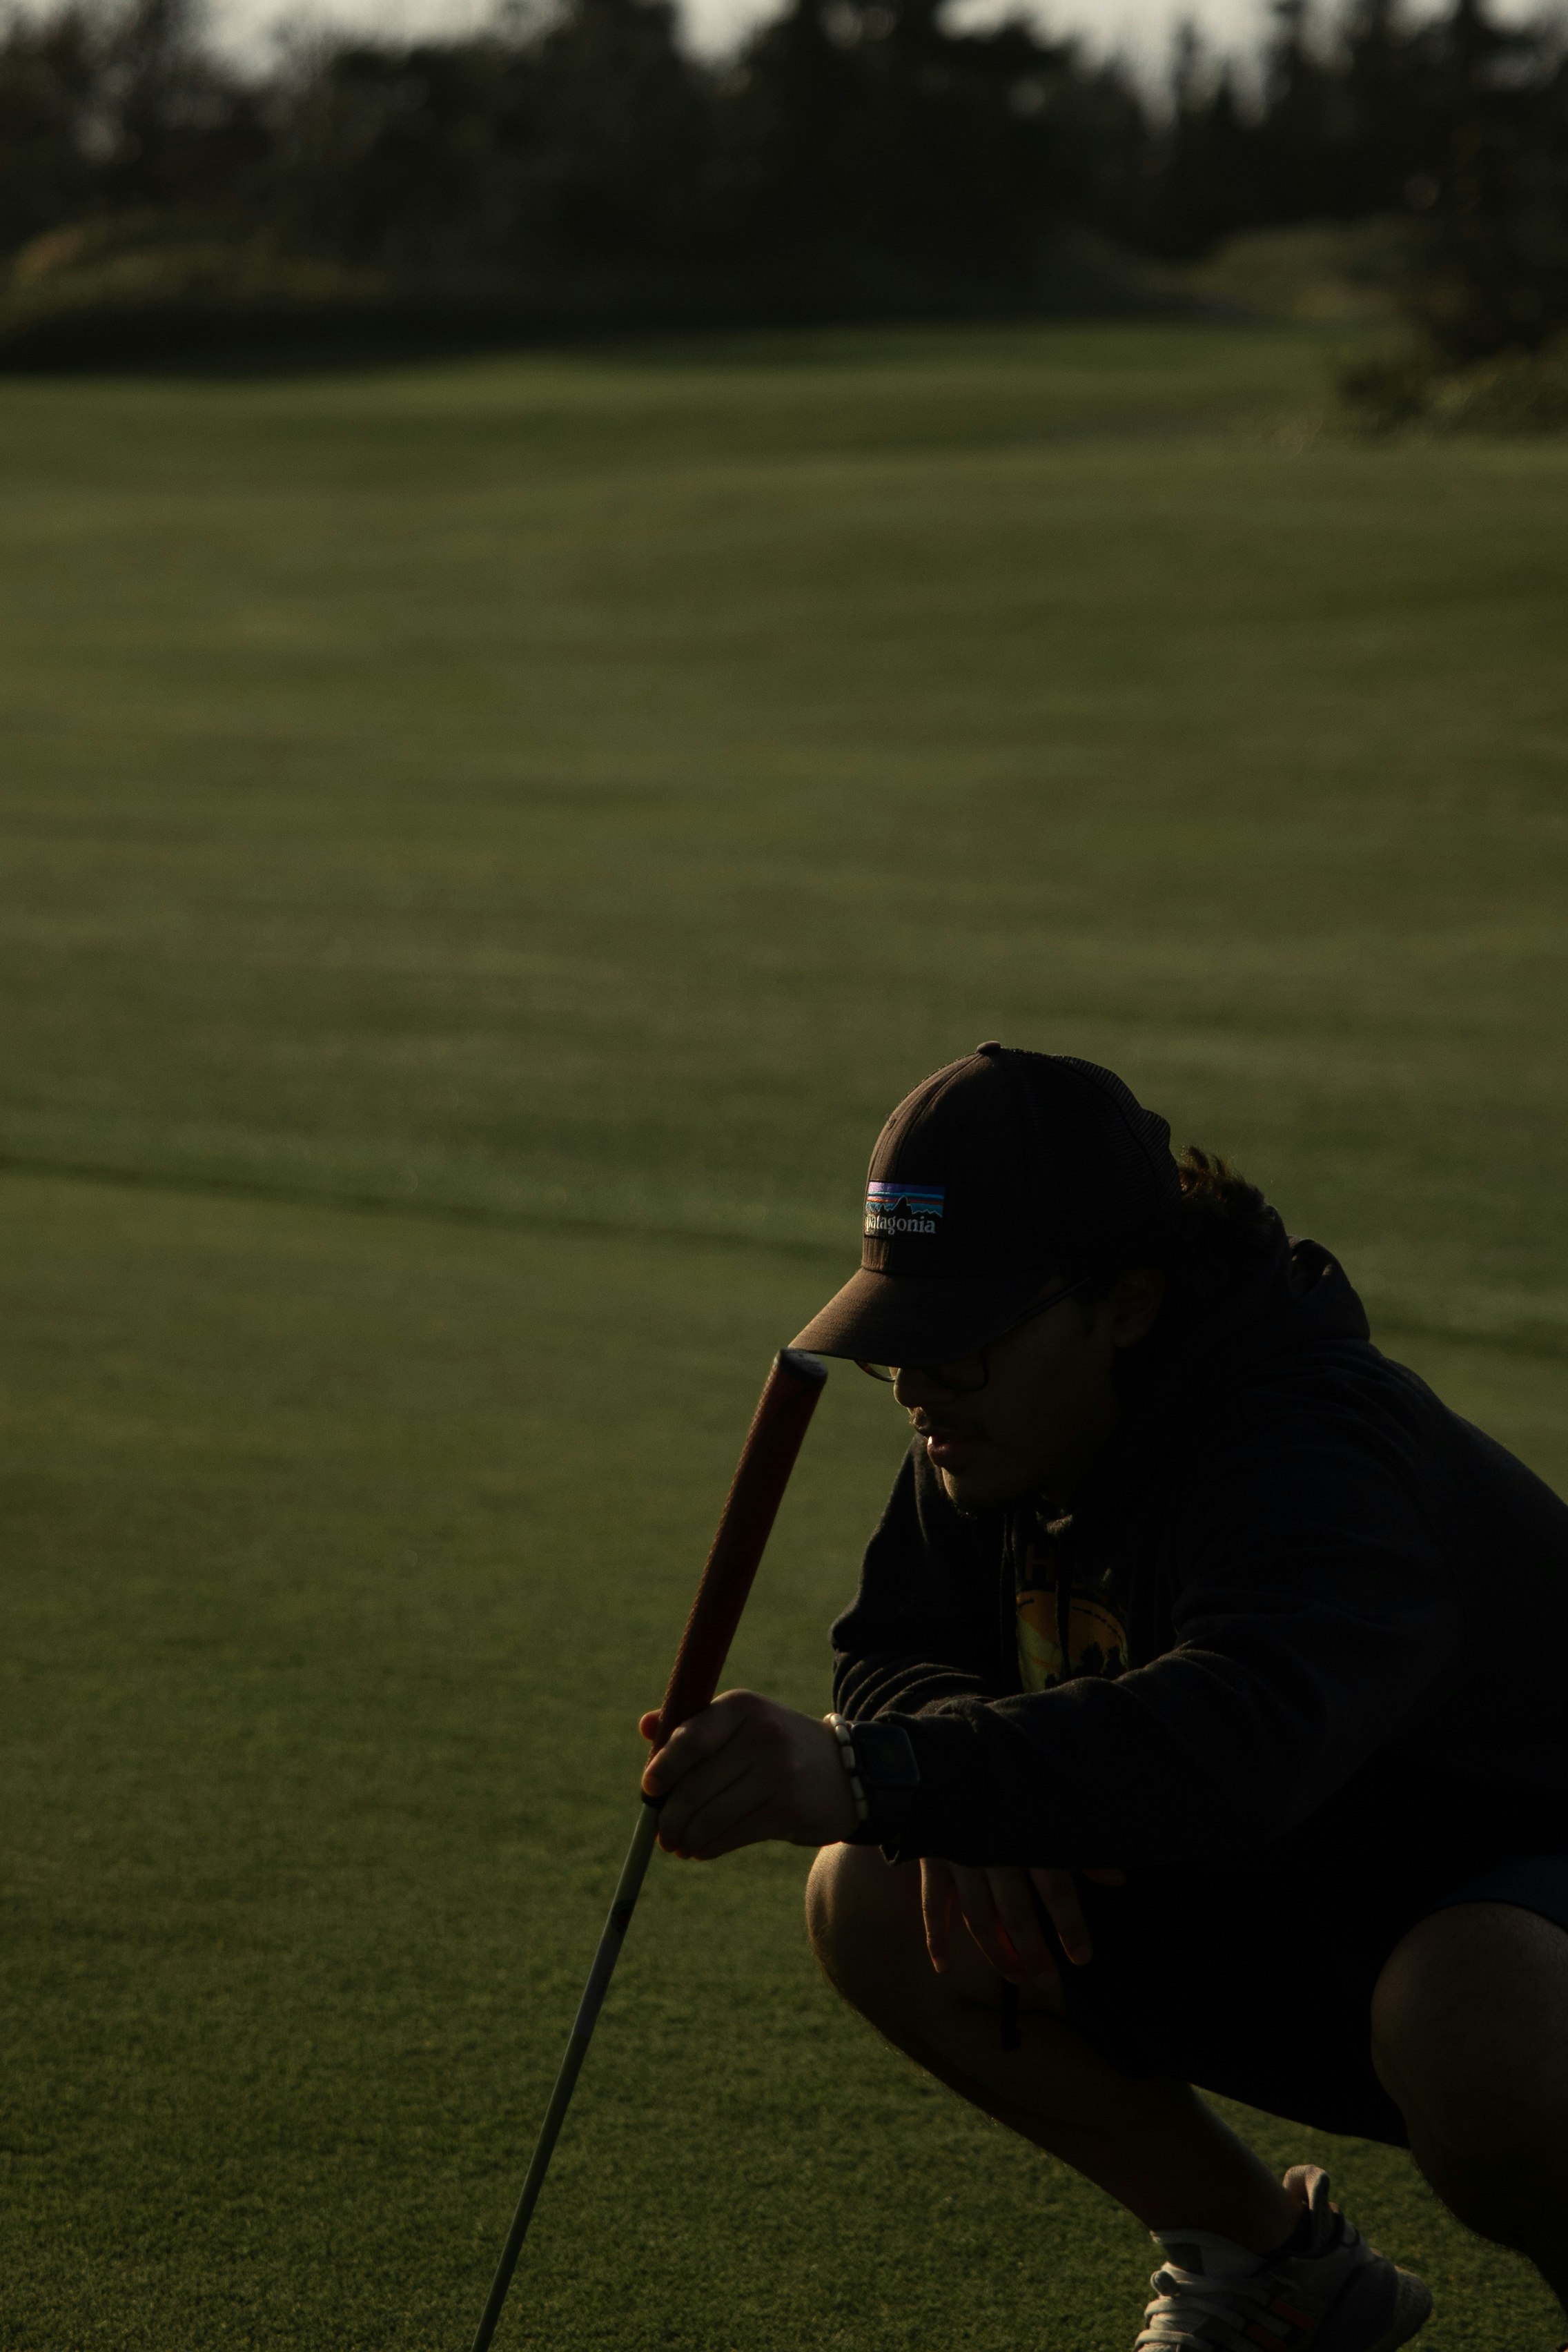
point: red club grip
(786, 1404)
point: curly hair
(1223, 1234)
(1222, 1231)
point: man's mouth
(946, 1444)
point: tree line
(852, 158)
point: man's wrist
(878, 1759)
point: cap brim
(906, 1319)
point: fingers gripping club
(785, 1406)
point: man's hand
(997, 1907)
(743, 1770)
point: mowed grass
(600, 787)
(485, 847)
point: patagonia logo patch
(904, 1208)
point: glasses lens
(877, 1372)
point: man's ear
(1133, 1300)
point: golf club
(786, 1404)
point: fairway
(485, 847)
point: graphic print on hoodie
(1062, 1632)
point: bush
(1516, 391)
(1519, 391)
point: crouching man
(1200, 1716)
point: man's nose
(914, 1387)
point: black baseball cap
(999, 1171)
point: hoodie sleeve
(923, 1626)
(1315, 1614)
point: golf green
(486, 844)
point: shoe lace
(1185, 2302)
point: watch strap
(884, 1774)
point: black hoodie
(1295, 1592)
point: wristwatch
(884, 1775)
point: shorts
(1256, 1982)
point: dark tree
(1494, 271)
(857, 157)
(173, 128)
(51, 71)
(869, 147)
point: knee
(1469, 2024)
(863, 1916)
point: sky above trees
(1138, 28)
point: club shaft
(785, 1406)
(627, 1888)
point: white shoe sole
(1412, 2310)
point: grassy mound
(1331, 273)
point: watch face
(886, 1758)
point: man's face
(1047, 1407)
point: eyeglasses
(967, 1375)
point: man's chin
(972, 1492)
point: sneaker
(1326, 2288)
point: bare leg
(1470, 2037)
(1151, 2145)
